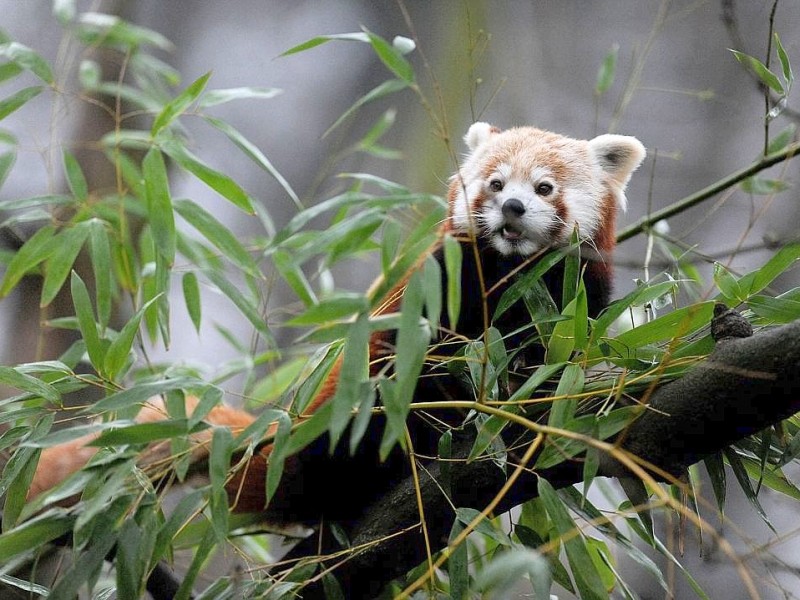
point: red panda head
(525, 189)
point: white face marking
(544, 188)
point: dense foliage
(137, 251)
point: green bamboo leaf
(216, 233)
(15, 378)
(384, 89)
(523, 284)
(571, 383)
(178, 105)
(293, 275)
(587, 578)
(331, 308)
(270, 388)
(7, 160)
(501, 577)
(219, 182)
(678, 323)
(391, 57)
(716, 474)
(67, 245)
(86, 322)
(100, 254)
(777, 310)
(37, 249)
(117, 353)
(607, 71)
(737, 466)
(248, 306)
(786, 66)
(35, 533)
(757, 280)
(27, 59)
(728, 285)
(458, 565)
(141, 392)
(75, 177)
(191, 296)
(215, 97)
(643, 294)
(142, 433)
(322, 39)
(353, 379)
(766, 76)
(105, 30)
(413, 337)
(219, 462)
(278, 456)
(562, 340)
(9, 70)
(159, 204)
(432, 288)
(452, 266)
(257, 156)
(18, 100)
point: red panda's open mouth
(511, 233)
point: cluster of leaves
(136, 236)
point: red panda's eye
(496, 185)
(544, 189)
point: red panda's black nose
(513, 209)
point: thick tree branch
(744, 386)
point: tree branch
(745, 385)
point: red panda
(516, 194)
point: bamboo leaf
(215, 97)
(219, 182)
(100, 253)
(15, 378)
(391, 57)
(216, 233)
(766, 76)
(607, 71)
(257, 156)
(323, 39)
(75, 177)
(159, 204)
(37, 249)
(18, 100)
(35, 533)
(66, 247)
(7, 160)
(29, 60)
(452, 265)
(117, 353)
(86, 322)
(587, 578)
(179, 104)
(191, 296)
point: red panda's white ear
(479, 133)
(618, 155)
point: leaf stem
(692, 200)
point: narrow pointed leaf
(219, 182)
(29, 60)
(37, 249)
(179, 104)
(159, 204)
(86, 322)
(18, 100)
(68, 245)
(191, 296)
(75, 177)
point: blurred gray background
(678, 89)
